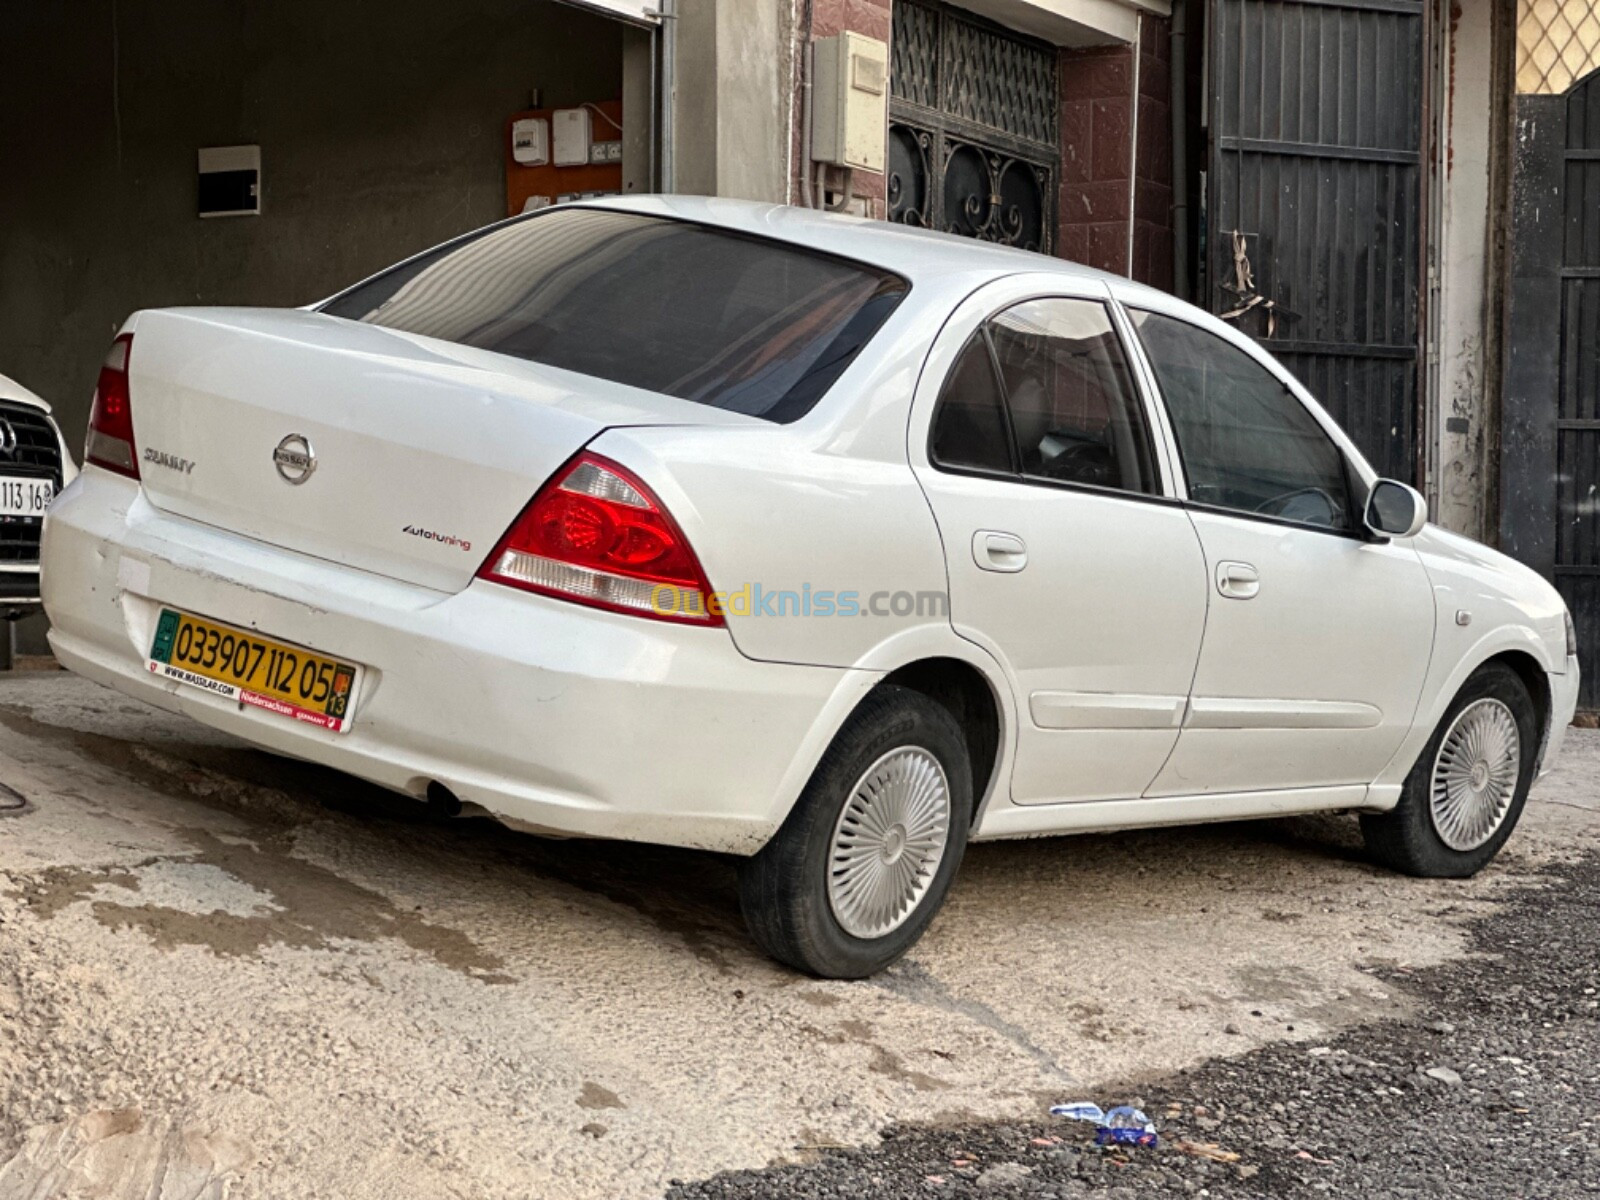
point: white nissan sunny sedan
(823, 542)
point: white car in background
(822, 542)
(34, 466)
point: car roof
(904, 249)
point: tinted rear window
(736, 322)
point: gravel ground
(1490, 1088)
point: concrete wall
(640, 136)
(380, 132)
(695, 100)
(731, 106)
(753, 115)
(1459, 413)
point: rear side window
(969, 427)
(1044, 391)
(1077, 415)
(739, 323)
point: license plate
(25, 497)
(288, 680)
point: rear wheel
(856, 873)
(1466, 792)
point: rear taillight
(110, 443)
(597, 535)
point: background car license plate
(25, 497)
(289, 680)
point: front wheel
(856, 873)
(1467, 789)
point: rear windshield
(736, 322)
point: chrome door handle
(1237, 580)
(996, 551)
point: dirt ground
(226, 974)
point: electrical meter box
(850, 101)
(572, 137)
(530, 141)
(551, 153)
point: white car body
(1128, 692)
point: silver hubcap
(888, 842)
(1475, 775)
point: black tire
(1406, 838)
(783, 890)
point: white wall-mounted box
(570, 129)
(530, 142)
(850, 98)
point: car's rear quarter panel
(826, 504)
(769, 515)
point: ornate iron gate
(973, 109)
(1316, 161)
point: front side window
(735, 322)
(1246, 440)
(1043, 391)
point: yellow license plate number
(253, 670)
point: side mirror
(1395, 510)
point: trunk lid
(424, 451)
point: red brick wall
(1096, 156)
(830, 17)
(1107, 191)
(869, 17)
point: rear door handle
(996, 551)
(1237, 580)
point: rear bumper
(548, 714)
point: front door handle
(996, 551)
(1237, 580)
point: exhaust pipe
(442, 802)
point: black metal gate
(1316, 128)
(973, 114)
(1577, 474)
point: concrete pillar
(731, 107)
(1460, 424)
(639, 166)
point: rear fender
(904, 649)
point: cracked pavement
(253, 977)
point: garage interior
(380, 129)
